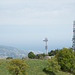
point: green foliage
(53, 52)
(17, 67)
(43, 54)
(66, 59)
(24, 57)
(73, 65)
(9, 58)
(52, 65)
(36, 67)
(40, 56)
(31, 55)
(37, 56)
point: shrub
(9, 58)
(31, 55)
(66, 59)
(17, 67)
(52, 65)
(53, 52)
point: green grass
(35, 67)
(3, 67)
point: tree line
(40, 56)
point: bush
(31, 55)
(23, 57)
(53, 52)
(9, 58)
(52, 65)
(66, 59)
(17, 67)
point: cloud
(36, 52)
(30, 11)
(32, 19)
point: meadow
(36, 67)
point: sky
(25, 23)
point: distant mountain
(7, 51)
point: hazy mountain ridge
(7, 51)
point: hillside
(35, 68)
(7, 51)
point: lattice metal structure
(46, 40)
(73, 46)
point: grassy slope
(3, 68)
(35, 67)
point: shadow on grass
(48, 72)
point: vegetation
(31, 55)
(40, 56)
(36, 67)
(53, 52)
(66, 59)
(37, 56)
(52, 65)
(9, 58)
(17, 67)
(63, 59)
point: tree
(52, 65)
(66, 59)
(38, 56)
(43, 55)
(17, 67)
(31, 55)
(52, 53)
(9, 58)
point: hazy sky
(25, 23)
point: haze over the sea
(25, 23)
